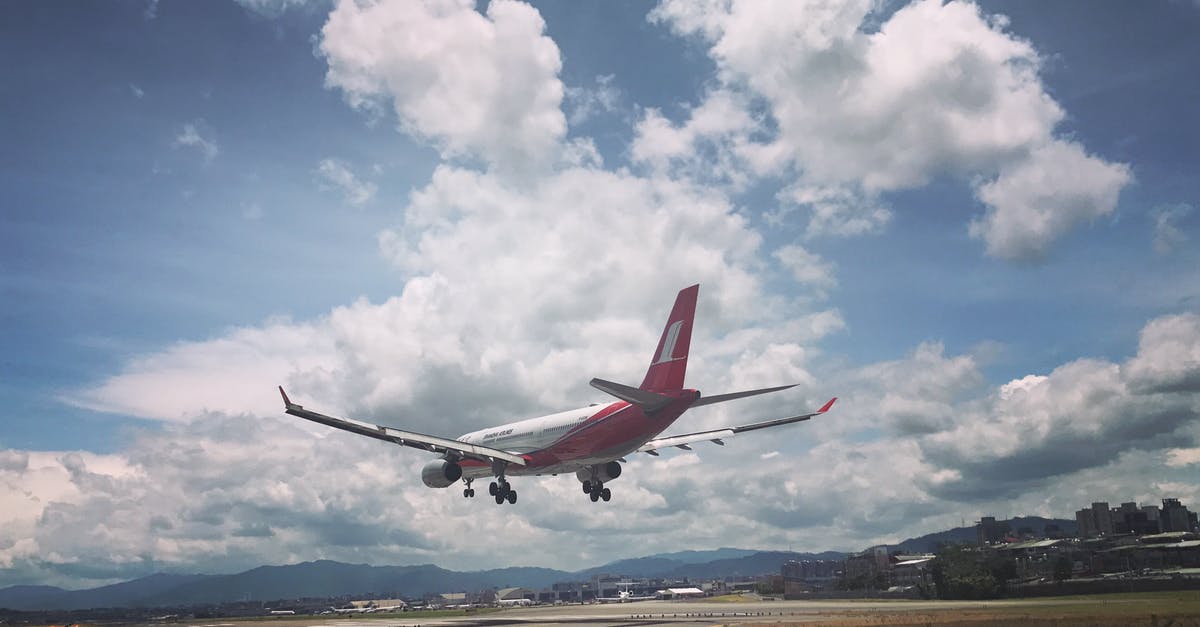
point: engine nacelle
(441, 473)
(603, 472)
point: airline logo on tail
(668, 350)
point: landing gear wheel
(493, 488)
(466, 493)
(499, 499)
(512, 497)
(595, 496)
(587, 486)
(606, 494)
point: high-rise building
(1176, 517)
(1103, 517)
(1086, 523)
(989, 531)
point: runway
(680, 614)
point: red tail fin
(670, 359)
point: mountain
(322, 579)
(930, 543)
(705, 564)
(310, 579)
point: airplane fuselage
(574, 439)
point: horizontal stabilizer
(648, 401)
(721, 398)
(718, 436)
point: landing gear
(502, 491)
(596, 491)
(469, 492)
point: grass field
(1158, 609)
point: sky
(974, 223)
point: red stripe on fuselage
(615, 431)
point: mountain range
(324, 578)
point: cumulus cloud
(1034, 202)
(195, 135)
(807, 268)
(337, 173)
(713, 145)
(1083, 414)
(488, 313)
(479, 86)
(938, 89)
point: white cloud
(1083, 414)
(1034, 202)
(337, 173)
(1168, 358)
(939, 89)
(806, 267)
(478, 86)
(587, 102)
(275, 8)
(1167, 234)
(192, 135)
(713, 145)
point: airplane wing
(424, 442)
(718, 436)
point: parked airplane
(625, 596)
(590, 441)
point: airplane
(625, 596)
(591, 441)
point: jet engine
(441, 473)
(603, 472)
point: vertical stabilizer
(670, 358)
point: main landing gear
(503, 492)
(595, 490)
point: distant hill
(332, 579)
(309, 579)
(706, 564)
(930, 543)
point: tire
(587, 486)
(493, 488)
(595, 496)
(512, 497)
(499, 499)
(466, 493)
(606, 494)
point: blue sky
(960, 218)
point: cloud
(939, 89)
(1167, 234)
(479, 86)
(1083, 414)
(487, 314)
(587, 102)
(806, 267)
(337, 173)
(192, 135)
(276, 8)
(1034, 202)
(1168, 358)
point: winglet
(286, 401)
(819, 411)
